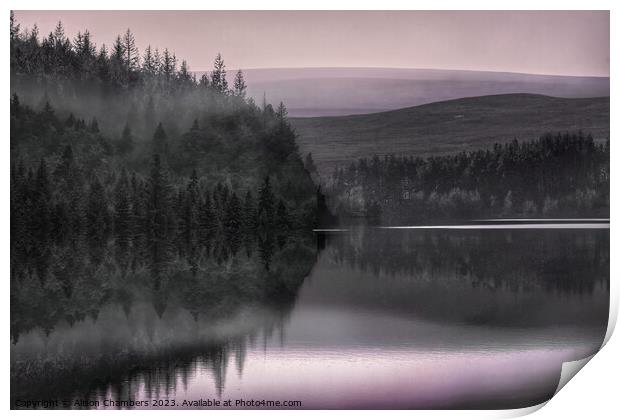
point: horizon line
(408, 68)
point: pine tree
(59, 35)
(192, 139)
(249, 212)
(157, 62)
(118, 50)
(149, 115)
(240, 86)
(158, 206)
(281, 113)
(131, 57)
(67, 172)
(160, 144)
(137, 201)
(41, 199)
(149, 66)
(208, 222)
(218, 75)
(168, 65)
(89, 49)
(266, 201)
(192, 200)
(122, 205)
(102, 65)
(233, 216)
(117, 69)
(184, 76)
(126, 143)
(204, 81)
(96, 209)
(14, 27)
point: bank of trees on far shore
(555, 175)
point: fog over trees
(111, 139)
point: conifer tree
(233, 216)
(184, 75)
(42, 195)
(158, 206)
(168, 65)
(192, 201)
(149, 66)
(122, 205)
(218, 75)
(204, 81)
(126, 143)
(131, 57)
(160, 144)
(281, 113)
(67, 172)
(208, 222)
(14, 27)
(96, 209)
(192, 139)
(240, 86)
(266, 202)
(137, 201)
(249, 212)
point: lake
(468, 316)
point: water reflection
(381, 319)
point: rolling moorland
(447, 127)
(314, 92)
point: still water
(444, 317)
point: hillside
(104, 143)
(448, 127)
(314, 92)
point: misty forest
(165, 221)
(108, 140)
(101, 143)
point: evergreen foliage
(105, 140)
(556, 175)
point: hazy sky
(568, 43)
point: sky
(574, 43)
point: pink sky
(554, 42)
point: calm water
(360, 318)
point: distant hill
(312, 92)
(448, 126)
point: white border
(592, 394)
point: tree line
(56, 56)
(111, 141)
(555, 175)
(59, 201)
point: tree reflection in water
(129, 317)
